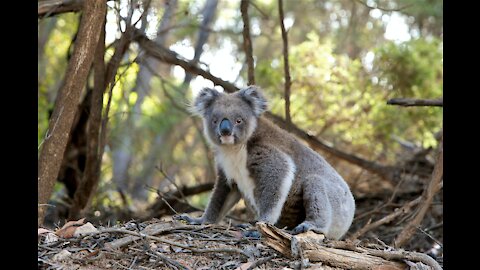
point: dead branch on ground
(427, 197)
(343, 254)
(387, 219)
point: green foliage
(333, 96)
(411, 69)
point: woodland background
(116, 143)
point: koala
(281, 180)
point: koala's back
(308, 165)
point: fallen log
(342, 254)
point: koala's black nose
(225, 127)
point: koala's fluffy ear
(204, 99)
(254, 97)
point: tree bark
(93, 162)
(66, 104)
(247, 41)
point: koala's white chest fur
(233, 161)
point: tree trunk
(66, 104)
(93, 161)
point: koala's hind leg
(318, 209)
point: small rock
(62, 255)
(88, 228)
(50, 238)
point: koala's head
(229, 119)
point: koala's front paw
(244, 226)
(252, 234)
(304, 227)
(188, 219)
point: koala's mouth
(230, 139)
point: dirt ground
(172, 244)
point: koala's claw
(244, 226)
(188, 219)
(252, 234)
(304, 227)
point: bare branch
(53, 7)
(167, 56)
(427, 197)
(247, 42)
(286, 67)
(407, 102)
(387, 219)
(192, 248)
(264, 15)
(170, 57)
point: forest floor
(171, 244)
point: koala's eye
(214, 121)
(238, 121)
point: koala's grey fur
(281, 180)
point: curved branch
(53, 7)
(389, 173)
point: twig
(427, 197)
(408, 102)
(383, 205)
(385, 254)
(369, 226)
(286, 67)
(167, 260)
(430, 236)
(402, 255)
(193, 249)
(261, 261)
(160, 168)
(247, 42)
(264, 15)
(434, 227)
